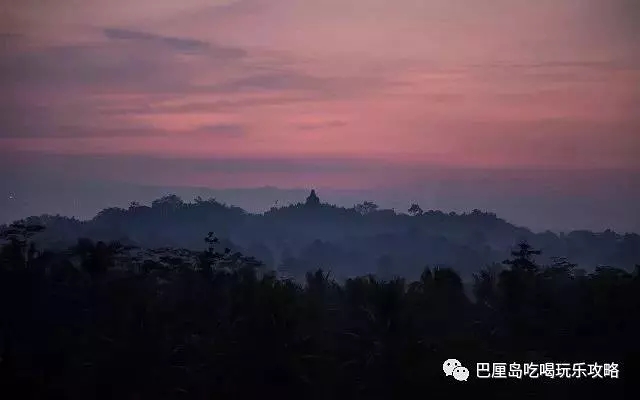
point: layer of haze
(527, 108)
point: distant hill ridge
(351, 240)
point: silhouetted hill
(610, 203)
(349, 241)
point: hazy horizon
(521, 202)
(524, 108)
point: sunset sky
(325, 93)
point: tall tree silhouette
(523, 258)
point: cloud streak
(322, 125)
(223, 130)
(176, 43)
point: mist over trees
(296, 238)
(108, 319)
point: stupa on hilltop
(312, 200)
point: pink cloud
(512, 83)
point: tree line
(104, 320)
(363, 239)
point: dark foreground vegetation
(96, 321)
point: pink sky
(456, 83)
